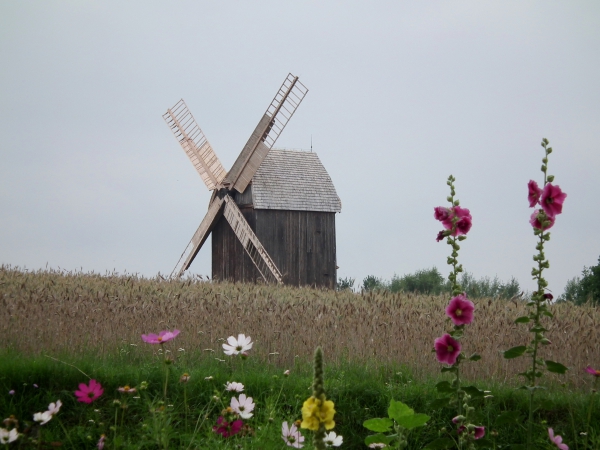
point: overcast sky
(401, 94)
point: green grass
(360, 392)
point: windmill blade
(250, 242)
(199, 237)
(280, 111)
(194, 143)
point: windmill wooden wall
(290, 206)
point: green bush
(584, 289)
(425, 281)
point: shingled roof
(294, 180)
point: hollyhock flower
(291, 435)
(460, 310)
(534, 193)
(89, 393)
(53, 408)
(552, 199)
(236, 346)
(227, 429)
(6, 437)
(479, 432)
(126, 390)
(243, 406)
(440, 236)
(463, 226)
(234, 387)
(594, 372)
(441, 213)
(100, 443)
(42, 418)
(557, 440)
(536, 219)
(161, 338)
(315, 412)
(333, 440)
(447, 349)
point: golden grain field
(54, 312)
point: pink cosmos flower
(291, 435)
(126, 390)
(227, 429)
(479, 432)
(460, 310)
(594, 372)
(89, 393)
(534, 193)
(244, 406)
(100, 443)
(552, 199)
(447, 349)
(161, 338)
(535, 221)
(53, 408)
(557, 440)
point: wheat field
(58, 312)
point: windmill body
(272, 216)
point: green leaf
(475, 357)
(440, 403)
(448, 369)
(413, 421)
(547, 313)
(440, 443)
(522, 319)
(514, 352)
(444, 387)
(473, 391)
(378, 425)
(398, 410)
(556, 367)
(508, 418)
(378, 439)
(538, 329)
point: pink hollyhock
(594, 372)
(161, 338)
(479, 432)
(441, 213)
(460, 310)
(552, 200)
(227, 429)
(534, 193)
(557, 440)
(447, 349)
(89, 393)
(535, 221)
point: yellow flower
(315, 412)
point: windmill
(231, 188)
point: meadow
(57, 325)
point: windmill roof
(294, 180)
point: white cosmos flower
(236, 346)
(333, 440)
(291, 435)
(243, 406)
(53, 408)
(42, 418)
(7, 437)
(234, 386)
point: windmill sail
(199, 237)
(250, 242)
(282, 108)
(194, 143)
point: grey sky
(402, 94)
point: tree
(584, 289)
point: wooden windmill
(271, 202)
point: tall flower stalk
(457, 223)
(550, 199)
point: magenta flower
(534, 193)
(479, 432)
(227, 429)
(460, 310)
(557, 440)
(535, 221)
(89, 393)
(594, 372)
(441, 213)
(161, 338)
(100, 443)
(552, 200)
(447, 349)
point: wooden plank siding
(301, 243)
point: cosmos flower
(100, 443)
(126, 390)
(42, 418)
(291, 435)
(594, 372)
(227, 429)
(333, 440)
(557, 440)
(447, 349)
(89, 393)
(6, 437)
(161, 338)
(53, 408)
(236, 346)
(244, 406)
(234, 386)
(460, 310)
